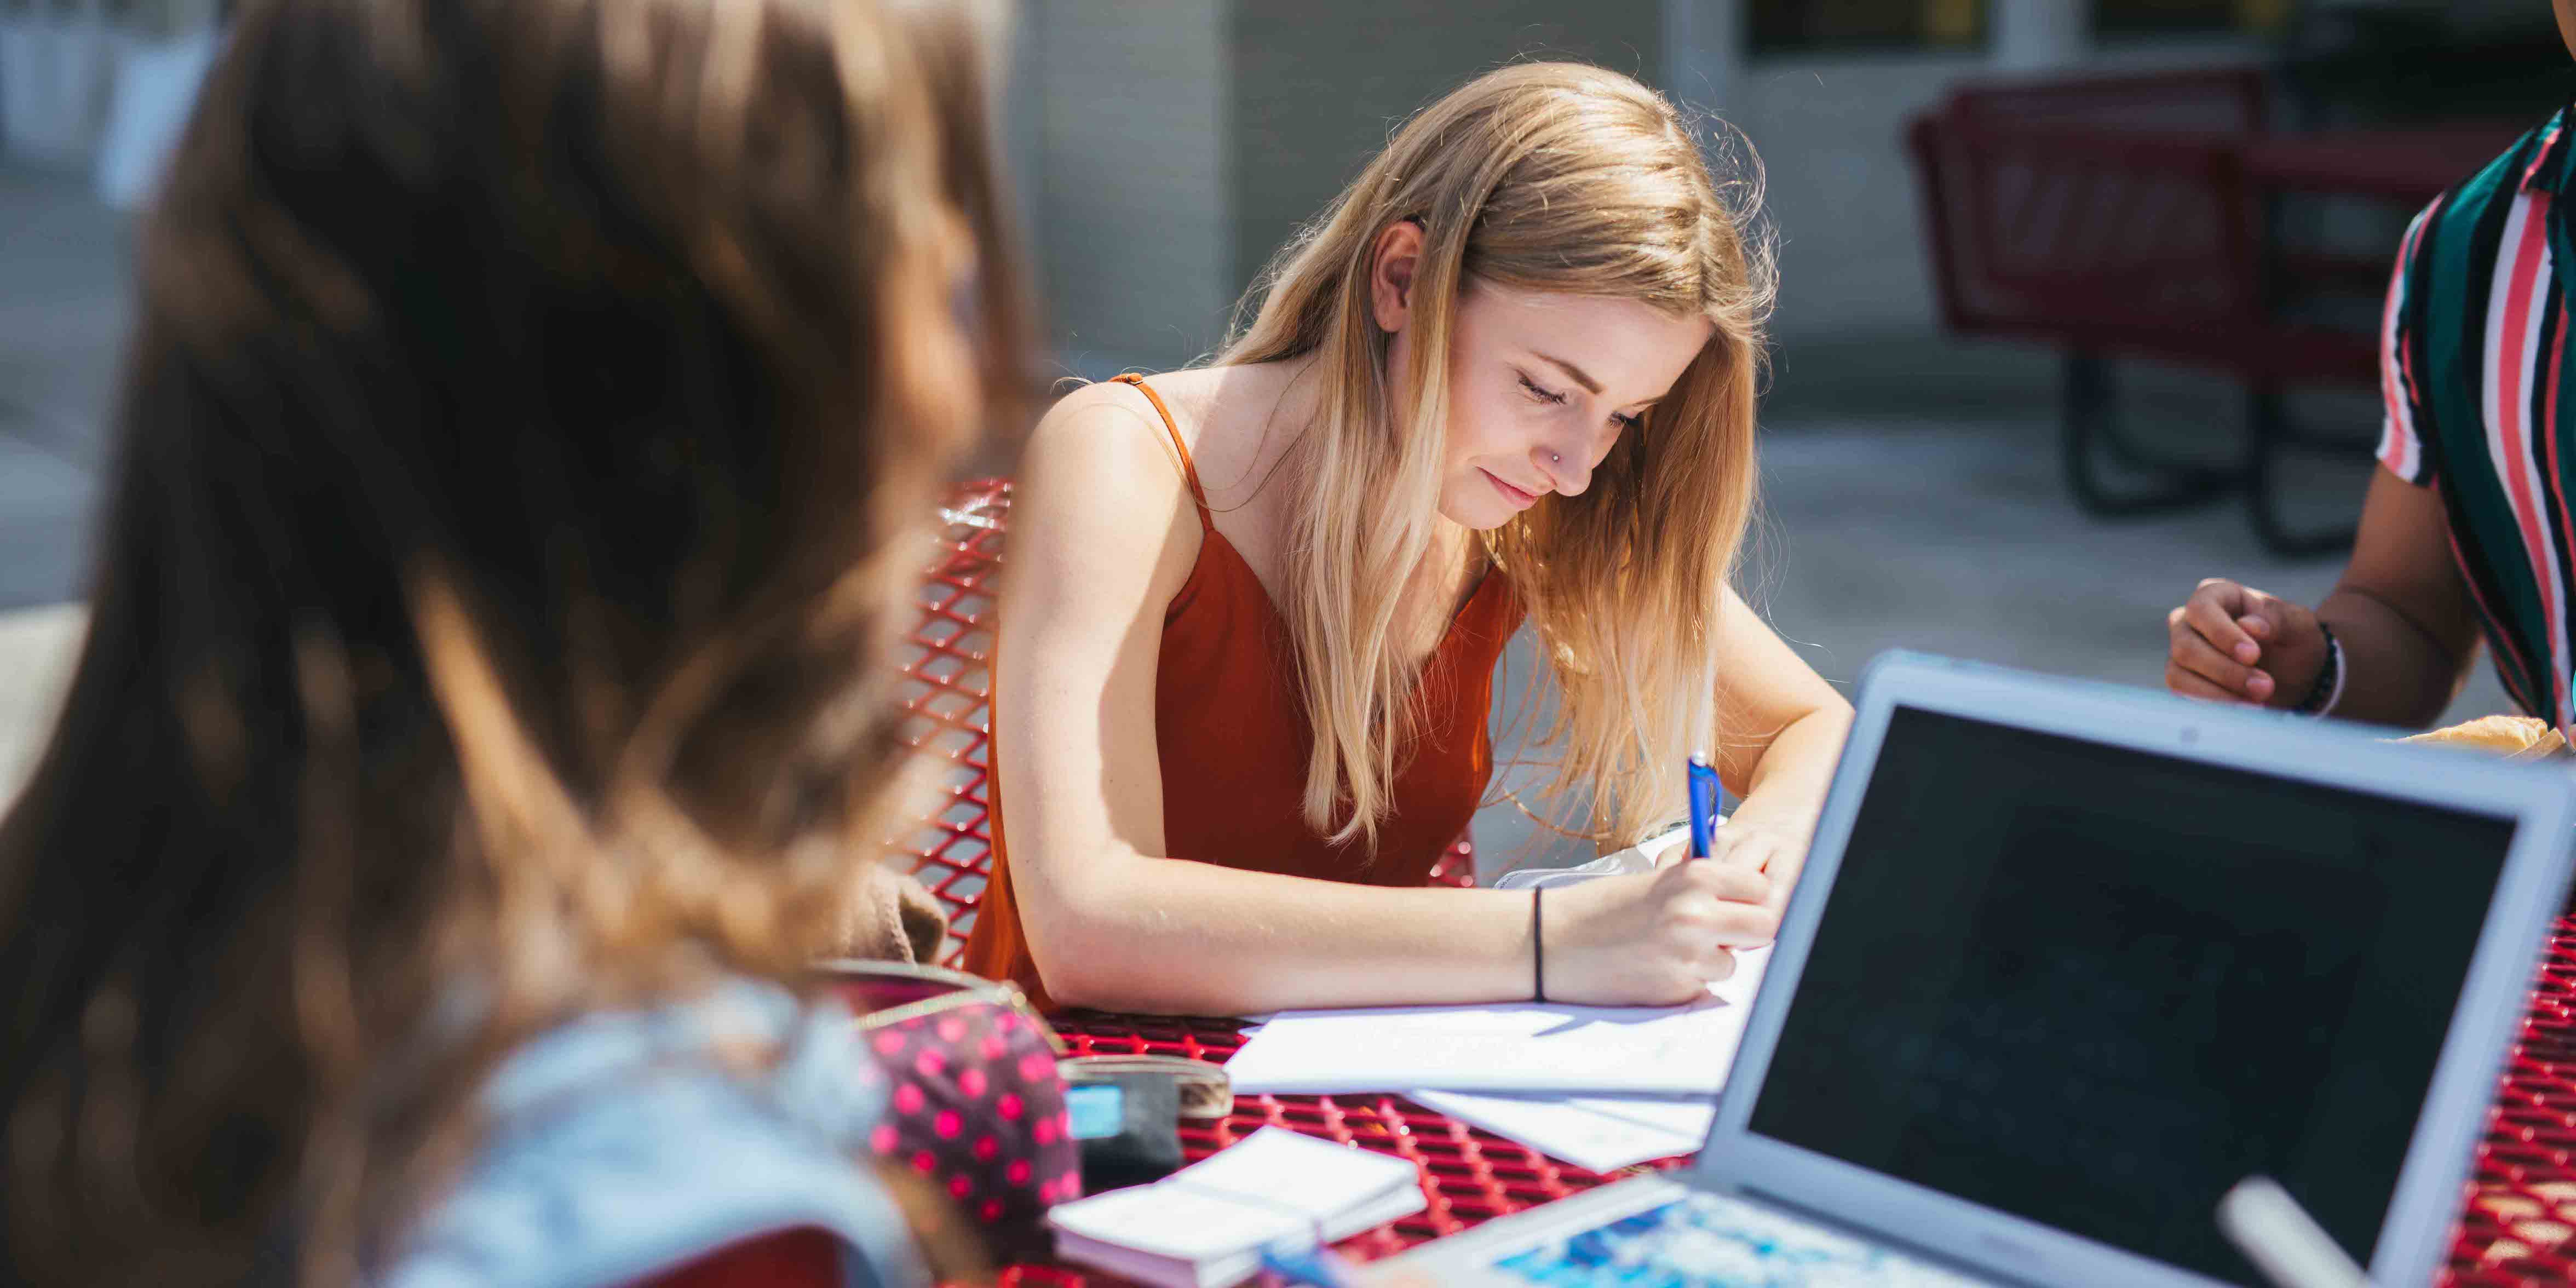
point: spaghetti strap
(1189, 468)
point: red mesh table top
(2521, 1208)
(1468, 1175)
(2519, 1219)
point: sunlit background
(1916, 479)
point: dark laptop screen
(2096, 987)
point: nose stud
(1554, 459)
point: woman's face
(1541, 384)
(1540, 388)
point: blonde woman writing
(1508, 377)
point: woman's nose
(1567, 466)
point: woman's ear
(1391, 265)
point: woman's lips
(1520, 500)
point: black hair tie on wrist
(1538, 949)
(2322, 689)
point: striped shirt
(2473, 341)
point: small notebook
(1206, 1225)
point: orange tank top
(1233, 740)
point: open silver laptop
(2067, 962)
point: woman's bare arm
(1103, 535)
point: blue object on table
(1704, 791)
(1096, 1112)
(1698, 1239)
(1314, 1266)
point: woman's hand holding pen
(1750, 841)
(1655, 938)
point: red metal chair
(2111, 216)
(948, 686)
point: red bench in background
(2135, 217)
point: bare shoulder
(1100, 490)
(1104, 442)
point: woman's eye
(1626, 422)
(1548, 396)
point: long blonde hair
(1554, 177)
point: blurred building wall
(1178, 143)
(1168, 147)
(1120, 125)
(1318, 86)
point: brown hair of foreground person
(523, 449)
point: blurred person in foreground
(526, 443)
(2466, 528)
(1254, 607)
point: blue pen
(1703, 806)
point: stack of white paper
(1596, 1133)
(1529, 1047)
(1599, 1087)
(1206, 1225)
